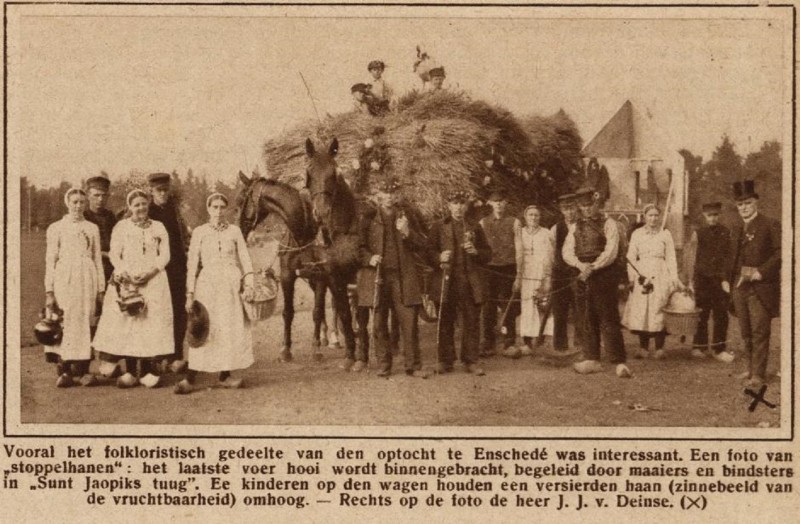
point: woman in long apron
(652, 252)
(74, 283)
(534, 250)
(139, 252)
(218, 258)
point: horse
(316, 230)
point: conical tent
(641, 162)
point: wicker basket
(259, 310)
(262, 305)
(681, 322)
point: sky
(157, 93)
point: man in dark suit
(388, 242)
(164, 208)
(565, 282)
(97, 213)
(755, 277)
(711, 286)
(463, 250)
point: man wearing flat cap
(97, 213)
(755, 278)
(391, 241)
(164, 208)
(712, 289)
(591, 246)
(565, 281)
(500, 229)
(366, 102)
(463, 251)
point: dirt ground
(679, 391)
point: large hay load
(434, 142)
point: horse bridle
(330, 194)
(257, 202)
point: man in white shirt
(591, 246)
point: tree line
(712, 180)
(41, 206)
(709, 180)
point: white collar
(748, 220)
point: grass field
(528, 392)
(31, 284)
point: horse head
(248, 202)
(322, 180)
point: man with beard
(390, 244)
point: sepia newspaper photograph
(351, 262)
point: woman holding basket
(535, 255)
(74, 283)
(218, 258)
(652, 252)
(136, 324)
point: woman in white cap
(218, 258)
(652, 252)
(73, 283)
(535, 255)
(139, 334)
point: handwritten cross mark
(758, 398)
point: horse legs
(342, 306)
(287, 286)
(320, 289)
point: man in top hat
(591, 246)
(500, 229)
(755, 278)
(565, 281)
(463, 250)
(164, 208)
(389, 240)
(437, 76)
(712, 244)
(378, 86)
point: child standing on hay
(436, 83)
(378, 86)
(217, 258)
(462, 249)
